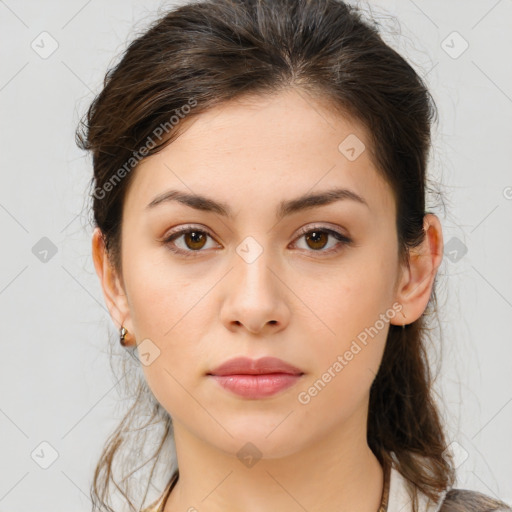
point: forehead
(264, 148)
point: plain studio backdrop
(58, 398)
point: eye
(317, 237)
(195, 239)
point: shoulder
(465, 500)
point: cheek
(354, 309)
(347, 301)
(170, 309)
(345, 367)
(160, 297)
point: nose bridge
(254, 269)
(254, 295)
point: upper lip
(245, 365)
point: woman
(263, 246)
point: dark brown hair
(204, 53)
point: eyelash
(191, 253)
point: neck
(339, 472)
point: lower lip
(257, 386)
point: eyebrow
(285, 208)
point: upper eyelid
(186, 228)
(182, 230)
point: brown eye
(188, 241)
(317, 239)
(191, 241)
(194, 239)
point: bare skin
(302, 300)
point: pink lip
(247, 366)
(256, 378)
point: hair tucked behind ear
(208, 52)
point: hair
(204, 53)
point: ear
(111, 284)
(417, 280)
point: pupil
(195, 238)
(314, 238)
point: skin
(292, 302)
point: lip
(263, 365)
(256, 378)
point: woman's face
(268, 278)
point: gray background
(55, 380)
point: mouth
(263, 365)
(255, 386)
(256, 378)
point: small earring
(122, 336)
(403, 314)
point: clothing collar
(397, 495)
(400, 500)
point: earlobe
(417, 281)
(113, 293)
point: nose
(255, 297)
